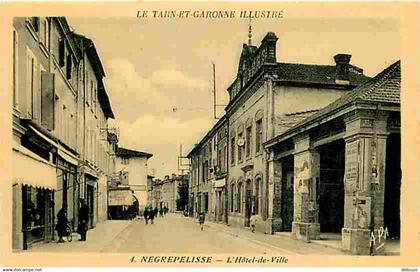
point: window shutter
(47, 100)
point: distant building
(165, 193)
(131, 166)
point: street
(175, 233)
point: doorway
(392, 218)
(330, 187)
(287, 181)
(248, 203)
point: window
(15, 69)
(239, 199)
(31, 82)
(258, 136)
(232, 193)
(61, 53)
(45, 33)
(68, 66)
(125, 161)
(35, 23)
(240, 148)
(257, 196)
(206, 202)
(248, 141)
(232, 151)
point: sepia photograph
(206, 136)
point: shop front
(33, 198)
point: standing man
(146, 214)
(83, 220)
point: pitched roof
(317, 74)
(383, 88)
(124, 152)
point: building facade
(345, 161)
(48, 132)
(208, 173)
(266, 98)
(132, 168)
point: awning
(120, 198)
(62, 152)
(68, 158)
(220, 183)
(31, 169)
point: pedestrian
(161, 211)
(62, 222)
(165, 210)
(201, 219)
(146, 215)
(152, 215)
(83, 220)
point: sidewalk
(97, 239)
(281, 243)
(329, 243)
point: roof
(124, 152)
(285, 121)
(104, 100)
(317, 74)
(383, 88)
(89, 47)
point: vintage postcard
(229, 134)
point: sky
(159, 74)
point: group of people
(150, 213)
(62, 227)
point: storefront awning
(120, 198)
(62, 152)
(31, 169)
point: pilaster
(305, 224)
(364, 183)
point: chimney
(269, 42)
(342, 62)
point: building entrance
(393, 185)
(248, 203)
(330, 187)
(287, 181)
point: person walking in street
(161, 212)
(165, 210)
(62, 222)
(146, 215)
(152, 215)
(201, 219)
(83, 220)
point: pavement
(175, 233)
(97, 238)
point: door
(248, 207)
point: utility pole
(215, 105)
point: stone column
(274, 221)
(305, 224)
(364, 184)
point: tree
(182, 201)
